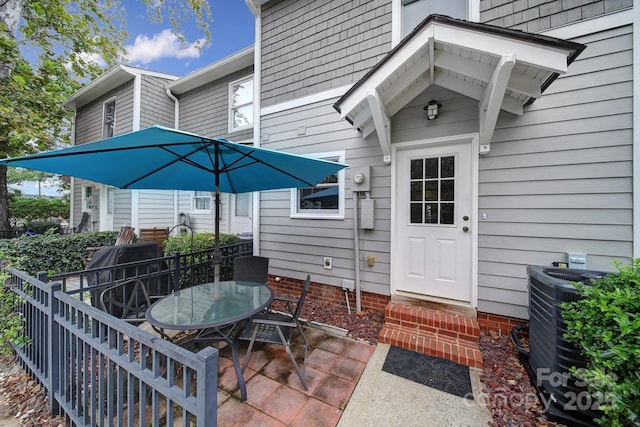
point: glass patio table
(216, 310)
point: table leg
(236, 366)
(231, 339)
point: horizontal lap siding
(297, 246)
(559, 178)
(156, 209)
(311, 46)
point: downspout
(72, 182)
(356, 252)
(137, 104)
(176, 125)
(255, 11)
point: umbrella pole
(217, 255)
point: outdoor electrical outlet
(348, 285)
(328, 263)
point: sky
(153, 46)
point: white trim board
(306, 100)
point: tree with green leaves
(46, 51)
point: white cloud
(93, 57)
(165, 44)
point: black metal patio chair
(277, 328)
(128, 300)
(251, 269)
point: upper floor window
(241, 104)
(407, 14)
(325, 200)
(201, 201)
(108, 118)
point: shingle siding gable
(88, 119)
(539, 15)
(156, 107)
(205, 110)
(311, 46)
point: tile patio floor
(275, 396)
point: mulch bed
(509, 394)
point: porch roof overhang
(500, 68)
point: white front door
(433, 211)
(241, 213)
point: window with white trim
(201, 201)
(325, 200)
(241, 104)
(407, 14)
(108, 118)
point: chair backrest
(127, 300)
(251, 269)
(125, 235)
(83, 222)
(303, 295)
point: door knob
(466, 218)
(465, 229)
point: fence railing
(102, 371)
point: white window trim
(339, 156)
(195, 210)
(473, 12)
(115, 114)
(230, 106)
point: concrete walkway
(384, 399)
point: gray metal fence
(101, 371)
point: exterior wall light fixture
(432, 109)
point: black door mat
(441, 374)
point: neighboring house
(126, 99)
(533, 135)
(122, 100)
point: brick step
(452, 336)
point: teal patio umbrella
(160, 158)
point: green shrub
(10, 317)
(43, 227)
(53, 253)
(202, 267)
(187, 243)
(605, 325)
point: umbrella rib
(249, 155)
(179, 158)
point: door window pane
(446, 189)
(446, 213)
(431, 168)
(432, 194)
(447, 167)
(416, 191)
(416, 213)
(431, 190)
(431, 213)
(416, 169)
(242, 204)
